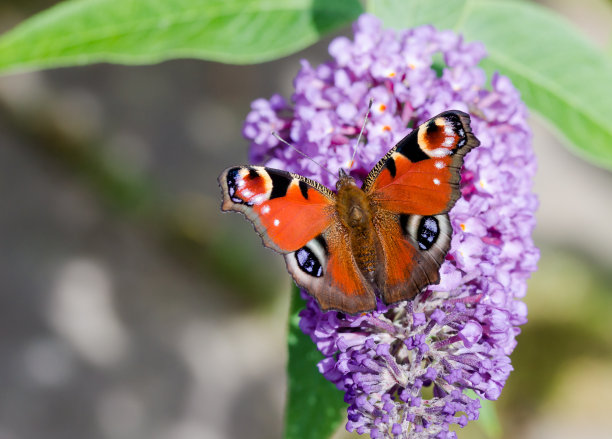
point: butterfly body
(386, 239)
(355, 212)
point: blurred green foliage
(315, 406)
(570, 299)
(146, 31)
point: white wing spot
(258, 199)
(439, 152)
(436, 181)
(448, 130)
(439, 165)
(448, 141)
(276, 222)
(265, 209)
(247, 193)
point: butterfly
(386, 239)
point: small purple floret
(458, 334)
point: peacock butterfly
(387, 238)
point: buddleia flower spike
(405, 368)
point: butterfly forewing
(421, 174)
(286, 210)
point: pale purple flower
(404, 368)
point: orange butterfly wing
(287, 210)
(334, 280)
(421, 174)
(412, 189)
(413, 249)
(297, 217)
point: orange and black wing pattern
(421, 174)
(412, 188)
(287, 210)
(326, 268)
(297, 217)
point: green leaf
(81, 32)
(561, 75)
(487, 419)
(315, 406)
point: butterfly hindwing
(421, 174)
(326, 268)
(287, 210)
(414, 247)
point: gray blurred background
(130, 307)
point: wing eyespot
(312, 257)
(308, 262)
(232, 180)
(253, 173)
(428, 232)
(424, 230)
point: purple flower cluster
(405, 368)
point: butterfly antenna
(365, 120)
(275, 134)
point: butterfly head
(344, 180)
